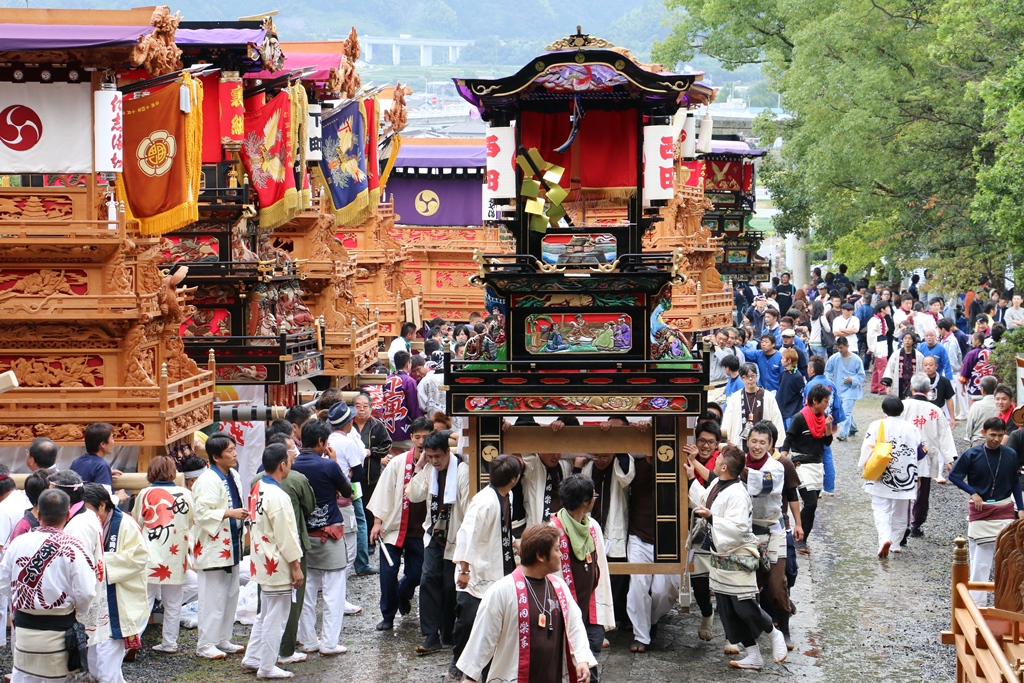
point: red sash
(523, 607)
(563, 548)
(989, 511)
(407, 477)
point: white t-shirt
(12, 509)
(841, 323)
(397, 344)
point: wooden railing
(980, 653)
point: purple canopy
(443, 156)
(67, 37)
(219, 36)
(735, 147)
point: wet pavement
(858, 616)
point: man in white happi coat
(612, 474)
(528, 627)
(727, 507)
(746, 408)
(937, 438)
(276, 566)
(49, 576)
(583, 562)
(397, 523)
(483, 550)
(217, 546)
(542, 475)
(894, 492)
(443, 483)
(114, 617)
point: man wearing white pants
(327, 559)
(275, 546)
(988, 473)
(217, 547)
(650, 596)
(895, 491)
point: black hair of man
(734, 459)
(437, 441)
(842, 268)
(1004, 390)
(708, 427)
(298, 414)
(575, 491)
(817, 393)
(748, 369)
(892, 406)
(217, 443)
(97, 496)
(997, 332)
(402, 359)
(6, 483)
(193, 463)
(35, 484)
(44, 452)
(769, 336)
(881, 306)
(53, 505)
(407, 328)
(280, 426)
(772, 312)
(421, 424)
(935, 300)
(842, 341)
(763, 427)
(995, 424)
(279, 438)
(434, 331)
(315, 432)
(97, 433)
(418, 361)
(431, 346)
(945, 324)
(69, 482)
(273, 457)
(504, 470)
(328, 399)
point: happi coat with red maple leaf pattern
(164, 511)
(213, 535)
(274, 538)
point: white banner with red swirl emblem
(41, 128)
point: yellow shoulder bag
(880, 458)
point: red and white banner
(250, 437)
(659, 174)
(41, 128)
(501, 168)
(108, 131)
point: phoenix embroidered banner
(268, 154)
(162, 157)
(343, 169)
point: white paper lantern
(108, 129)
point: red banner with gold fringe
(268, 153)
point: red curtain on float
(607, 141)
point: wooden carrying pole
(129, 481)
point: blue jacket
(941, 357)
(790, 396)
(837, 369)
(769, 368)
(838, 414)
(732, 385)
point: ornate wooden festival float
(88, 322)
(437, 189)
(729, 182)
(278, 297)
(580, 307)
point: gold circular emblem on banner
(427, 203)
(156, 153)
(666, 453)
(490, 453)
